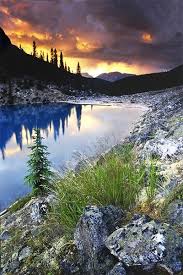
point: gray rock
(174, 213)
(163, 148)
(118, 269)
(4, 235)
(145, 243)
(24, 253)
(10, 267)
(69, 267)
(14, 265)
(93, 228)
(39, 208)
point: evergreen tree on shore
(38, 166)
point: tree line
(55, 58)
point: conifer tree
(34, 49)
(78, 69)
(52, 56)
(41, 55)
(55, 58)
(47, 59)
(38, 166)
(65, 66)
(68, 69)
(61, 61)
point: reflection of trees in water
(13, 119)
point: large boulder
(144, 244)
(92, 230)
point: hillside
(149, 82)
(15, 63)
(113, 76)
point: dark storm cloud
(117, 25)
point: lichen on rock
(145, 243)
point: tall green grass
(117, 180)
(152, 179)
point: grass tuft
(116, 181)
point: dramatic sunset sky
(132, 36)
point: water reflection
(13, 120)
(66, 128)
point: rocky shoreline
(105, 240)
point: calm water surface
(67, 129)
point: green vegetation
(152, 180)
(39, 167)
(20, 203)
(117, 180)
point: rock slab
(145, 243)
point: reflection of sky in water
(65, 127)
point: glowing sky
(132, 36)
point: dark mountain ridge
(15, 63)
(149, 82)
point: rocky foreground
(108, 240)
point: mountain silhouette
(15, 63)
(149, 82)
(113, 76)
(4, 40)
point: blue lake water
(67, 129)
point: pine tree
(68, 69)
(41, 55)
(65, 68)
(47, 59)
(38, 166)
(55, 58)
(34, 49)
(52, 56)
(61, 61)
(78, 69)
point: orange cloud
(23, 32)
(4, 10)
(147, 37)
(85, 46)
